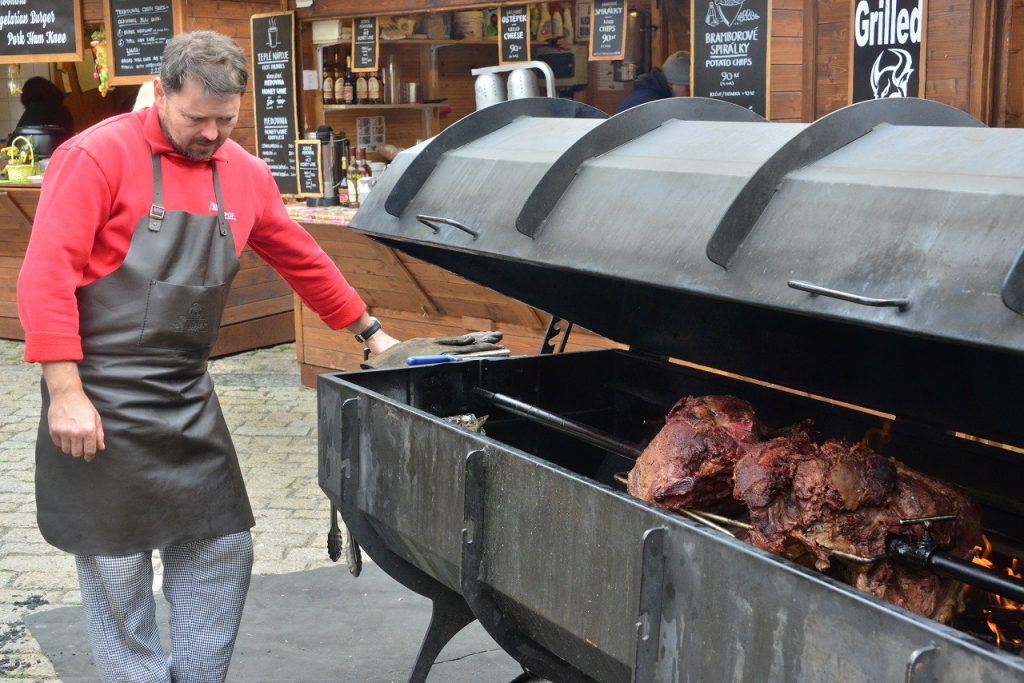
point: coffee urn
(332, 147)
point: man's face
(196, 123)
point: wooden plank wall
(787, 67)
(17, 208)
(1011, 101)
(414, 299)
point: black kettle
(44, 139)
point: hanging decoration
(98, 42)
(14, 79)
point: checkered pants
(205, 583)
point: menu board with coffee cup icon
(41, 31)
(273, 76)
(608, 30)
(365, 48)
(513, 34)
(137, 31)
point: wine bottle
(373, 91)
(364, 168)
(343, 194)
(362, 88)
(348, 88)
(327, 80)
(353, 183)
(339, 78)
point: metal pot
(45, 139)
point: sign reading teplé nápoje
(40, 31)
(365, 48)
(273, 89)
(309, 168)
(513, 34)
(886, 50)
(730, 52)
(137, 31)
(608, 29)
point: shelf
(346, 107)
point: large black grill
(872, 258)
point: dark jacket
(646, 88)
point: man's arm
(379, 341)
(74, 422)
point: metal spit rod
(928, 555)
(594, 437)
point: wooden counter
(259, 309)
(411, 298)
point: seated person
(671, 80)
(44, 105)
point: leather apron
(169, 473)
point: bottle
(339, 79)
(373, 91)
(361, 89)
(557, 29)
(353, 183)
(348, 87)
(343, 194)
(568, 28)
(364, 168)
(327, 81)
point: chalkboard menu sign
(730, 53)
(364, 44)
(608, 29)
(885, 53)
(514, 34)
(310, 168)
(137, 31)
(273, 66)
(40, 31)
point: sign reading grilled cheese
(40, 31)
(273, 71)
(730, 52)
(608, 29)
(513, 34)
(885, 59)
(138, 31)
(364, 44)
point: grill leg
(449, 615)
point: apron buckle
(156, 214)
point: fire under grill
(864, 271)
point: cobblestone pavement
(273, 420)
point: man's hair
(211, 60)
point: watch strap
(368, 332)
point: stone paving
(273, 420)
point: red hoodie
(100, 183)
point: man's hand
(380, 342)
(75, 425)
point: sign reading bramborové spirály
(40, 31)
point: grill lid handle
(902, 303)
(430, 220)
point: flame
(982, 554)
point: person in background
(136, 239)
(671, 80)
(144, 98)
(44, 105)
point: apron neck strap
(157, 211)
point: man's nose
(209, 130)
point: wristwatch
(368, 332)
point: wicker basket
(23, 171)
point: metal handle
(430, 220)
(902, 303)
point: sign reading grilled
(514, 34)
(273, 66)
(888, 39)
(364, 44)
(311, 177)
(138, 31)
(608, 29)
(40, 31)
(730, 53)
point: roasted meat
(689, 463)
(808, 500)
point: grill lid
(873, 256)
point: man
(671, 80)
(135, 242)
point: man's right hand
(75, 424)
